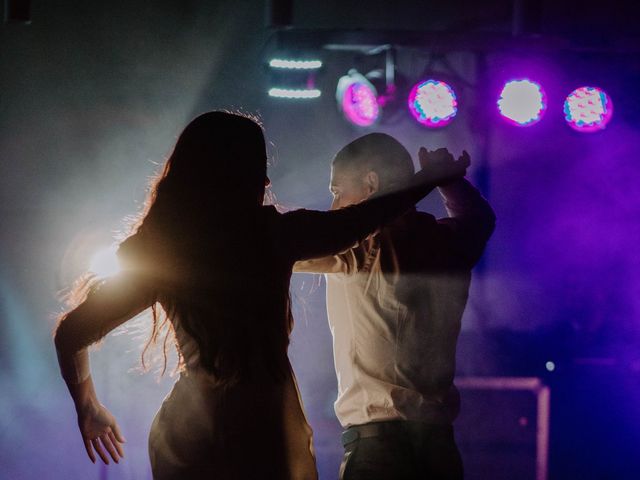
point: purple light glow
(360, 104)
(588, 109)
(522, 102)
(433, 103)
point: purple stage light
(588, 109)
(358, 99)
(433, 103)
(522, 102)
(360, 105)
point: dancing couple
(218, 263)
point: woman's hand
(100, 432)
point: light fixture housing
(357, 99)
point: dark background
(93, 95)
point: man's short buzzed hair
(382, 154)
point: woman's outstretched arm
(114, 301)
(312, 234)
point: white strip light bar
(295, 64)
(294, 93)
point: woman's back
(256, 418)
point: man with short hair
(395, 303)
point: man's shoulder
(421, 217)
(412, 229)
(415, 220)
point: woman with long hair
(218, 263)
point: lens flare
(433, 103)
(522, 102)
(104, 263)
(588, 109)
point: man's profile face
(348, 186)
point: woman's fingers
(465, 159)
(442, 157)
(423, 156)
(87, 446)
(98, 448)
(106, 441)
(116, 443)
(118, 433)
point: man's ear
(372, 182)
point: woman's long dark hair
(199, 237)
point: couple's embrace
(219, 263)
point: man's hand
(440, 167)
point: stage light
(289, 64)
(293, 77)
(104, 263)
(588, 109)
(294, 93)
(522, 102)
(358, 99)
(550, 366)
(433, 103)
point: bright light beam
(522, 102)
(104, 263)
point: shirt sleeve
(471, 219)
(330, 264)
(110, 304)
(307, 234)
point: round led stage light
(433, 103)
(358, 99)
(588, 109)
(522, 102)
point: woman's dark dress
(256, 427)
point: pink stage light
(360, 104)
(588, 109)
(433, 103)
(358, 99)
(522, 102)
